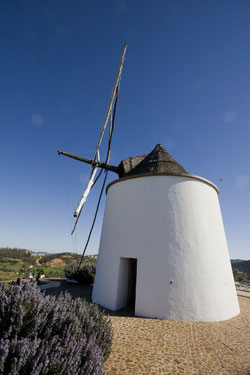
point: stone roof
(159, 161)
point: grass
(12, 269)
(13, 274)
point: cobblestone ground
(152, 346)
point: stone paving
(153, 346)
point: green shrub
(84, 274)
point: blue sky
(185, 84)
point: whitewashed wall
(173, 226)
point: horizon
(64, 252)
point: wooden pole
(118, 76)
(109, 111)
(96, 163)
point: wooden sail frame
(96, 160)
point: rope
(114, 91)
(110, 137)
(94, 220)
(108, 116)
(67, 192)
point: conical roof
(159, 161)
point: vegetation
(21, 254)
(243, 266)
(59, 258)
(47, 335)
(241, 271)
(16, 263)
(84, 274)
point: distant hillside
(242, 266)
(241, 271)
(237, 260)
(16, 263)
(62, 259)
(14, 253)
(59, 258)
(21, 262)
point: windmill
(163, 249)
(95, 162)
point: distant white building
(163, 248)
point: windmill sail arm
(85, 194)
(118, 77)
(94, 163)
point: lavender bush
(84, 274)
(50, 335)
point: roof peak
(160, 149)
(158, 161)
(159, 146)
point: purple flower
(47, 335)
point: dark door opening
(132, 270)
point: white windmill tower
(163, 248)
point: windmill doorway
(127, 282)
(132, 271)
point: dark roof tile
(159, 161)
